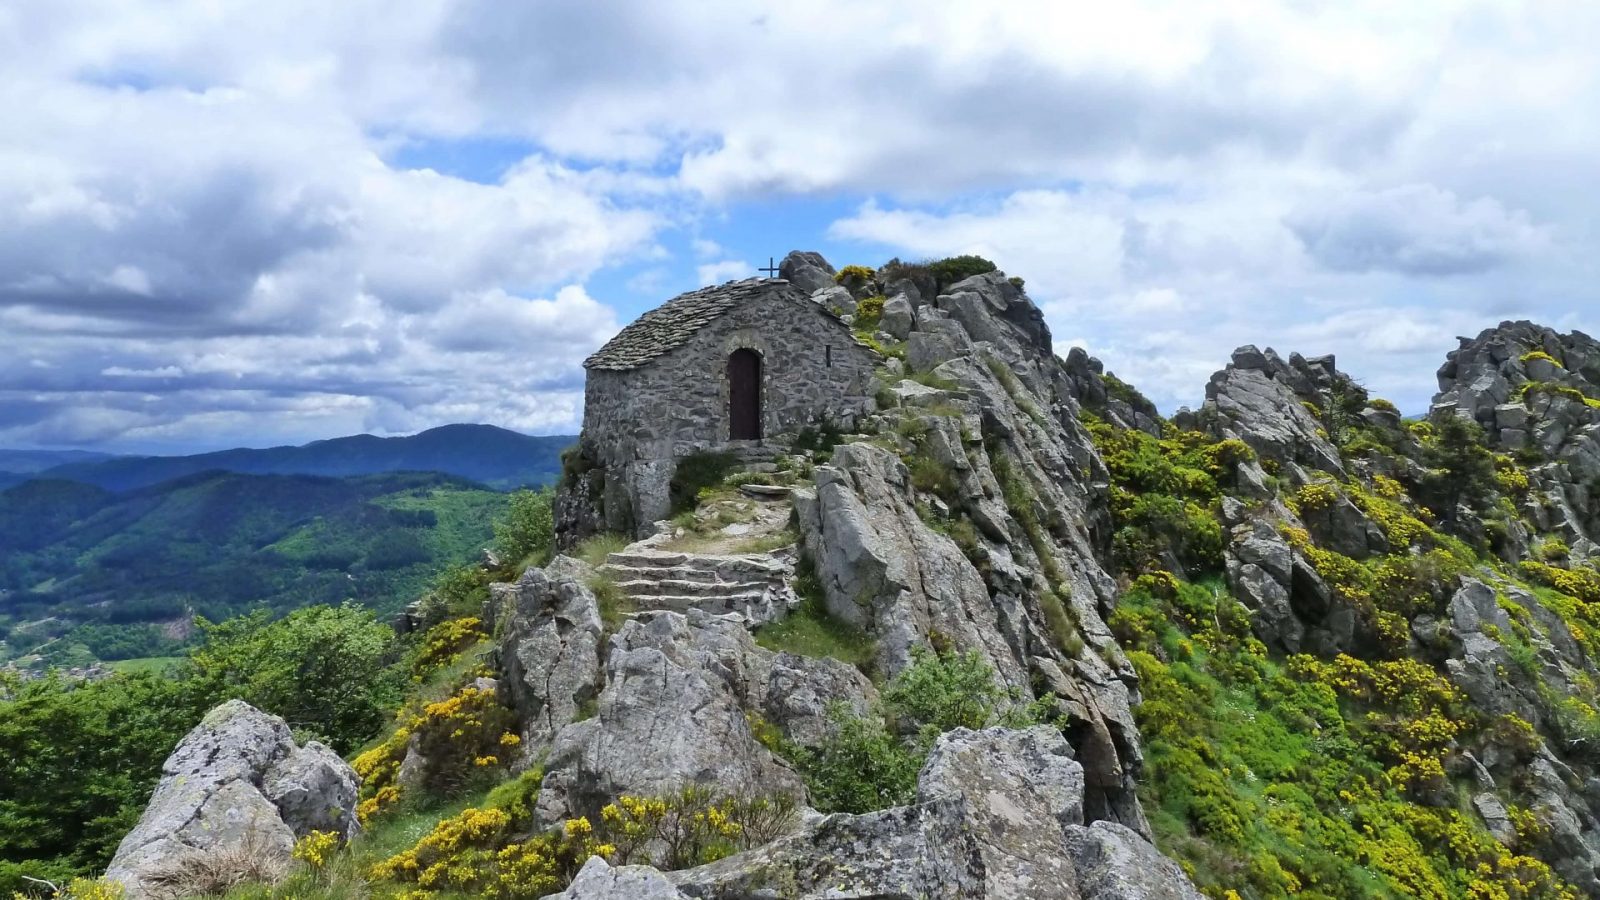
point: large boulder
(884, 569)
(599, 880)
(1114, 863)
(671, 715)
(806, 270)
(237, 784)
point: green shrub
(871, 762)
(869, 312)
(703, 469)
(526, 533)
(854, 273)
(331, 670)
(952, 269)
(860, 767)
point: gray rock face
(806, 270)
(598, 880)
(834, 297)
(671, 715)
(1343, 528)
(237, 780)
(1260, 567)
(992, 820)
(1517, 380)
(898, 317)
(1260, 399)
(884, 569)
(549, 652)
(1114, 863)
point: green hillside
(86, 573)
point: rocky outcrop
(599, 880)
(1262, 400)
(680, 693)
(1114, 863)
(549, 651)
(1536, 392)
(998, 815)
(807, 270)
(1024, 491)
(237, 782)
(883, 568)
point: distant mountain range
(483, 453)
(27, 462)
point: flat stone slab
(765, 491)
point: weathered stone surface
(898, 317)
(598, 880)
(549, 651)
(670, 715)
(835, 298)
(1503, 381)
(1495, 818)
(992, 820)
(314, 790)
(1115, 863)
(1343, 528)
(884, 569)
(221, 789)
(806, 270)
(1260, 568)
(1255, 399)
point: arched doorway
(744, 395)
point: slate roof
(673, 323)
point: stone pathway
(754, 585)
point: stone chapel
(729, 367)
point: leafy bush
(80, 760)
(527, 530)
(868, 313)
(443, 643)
(696, 472)
(854, 273)
(330, 670)
(1461, 468)
(478, 851)
(952, 269)
(871, 762)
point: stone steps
(753, 585)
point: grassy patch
(594, 550)
(810, 630)
(614, 603)
(152, 664)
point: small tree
(328, 669)
(1462, 468)
(528, 527)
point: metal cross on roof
(771, 269)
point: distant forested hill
(483, 453)
(26, 462)
(121, 573)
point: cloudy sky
(229, 222)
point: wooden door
(744, 395)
